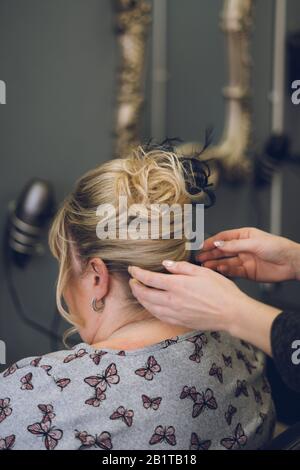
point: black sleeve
(285, 330)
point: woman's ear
(97, 277)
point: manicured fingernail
(131, 270)
(134, 282)
(168, 263)
(219, 243)
(201, 246)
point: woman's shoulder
(48, 365)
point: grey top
(195, 391)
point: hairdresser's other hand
(253, 254)
(201, 299)
(193, 296)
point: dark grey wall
(58, 59)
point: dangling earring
(95, 305)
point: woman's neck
(120, 327)
(139, 334)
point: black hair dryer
(27, 219)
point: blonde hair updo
(154, 174)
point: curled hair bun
(158, 173)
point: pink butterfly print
(62, 383)
(200, 339)
(216, 372)
(170, 341)
(151, 368)
(241, 356)
(254, 350)
(260, 428)
(153, 403)
(47, 411)
(125, 415)
(246, 345)
(108, 378)
(190, 392)
(257, 396)
(196, 444)
(241, 388)
(7, 442)
(97, 356)
(121, 353)
(47, 369)
(5, 409)
(87, 440)
(97, 399)
(77, 355)
(51, 436)
(197, 354)
(249, 366)
(102, 440)
(216, 335)
(227, 360)
(26, 382)
(229, 413)
(238, 440)
(35, 362)
(11, 370)
(204, 400)
(163, 434)
(251, 348)
(266, 387)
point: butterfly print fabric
(163, 434)
(125, 415)
(239, 439)
(151, 403)
(198, 391)
(26, 382)
(44, 429)
(5, 409)
(101, 441)
(197, 444)
(230, 413)
(7, 442)
(151, 368)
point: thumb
(180, 267)
(235, 246)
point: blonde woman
(134, 382)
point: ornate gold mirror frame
(132, 23)
(230, 155)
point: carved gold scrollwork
(132, 21)
(230, 155)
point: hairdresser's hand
(202, 299)
(195, 297)
(252, 254)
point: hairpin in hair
(197, 171)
